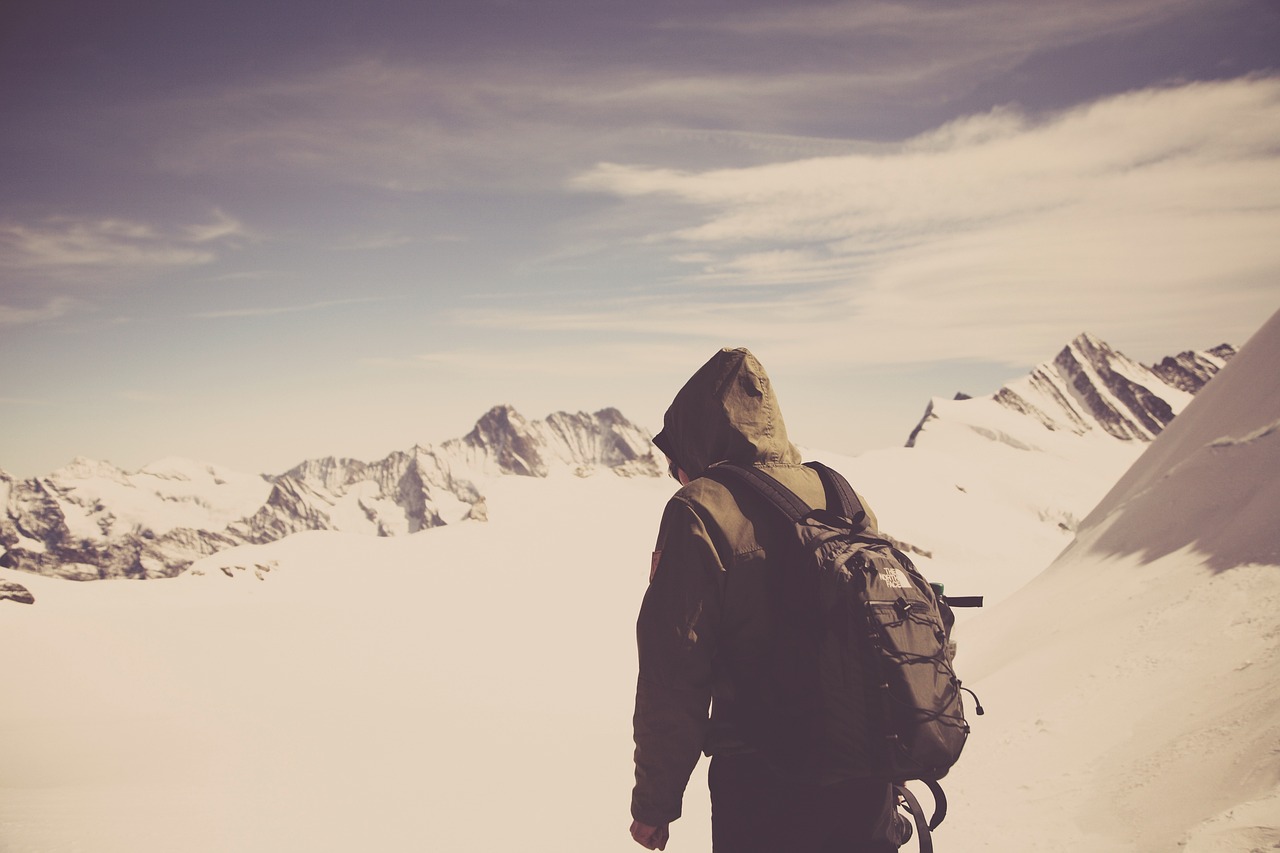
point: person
(708, 601)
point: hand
(650, 837)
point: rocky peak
(328, 472)
(504, 436)
(1105, 388)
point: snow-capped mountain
(1075, 423)
(91, 520)
(994, 487)
(1088, 388)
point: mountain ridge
(90, 520)
(1090, 387)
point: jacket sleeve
(676, 637)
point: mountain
(1089, 388)
(91, 520)
(1138, 676)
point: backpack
(859, 679)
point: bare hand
(650, 837)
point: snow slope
(1133, 688)
(466, 690)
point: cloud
(376, 242)
(134, 395)
(772, 83)
(272, 311)
(1156, 208)
(516, 124)
(69, 246)
(520, 124)
(985, 23)
(399, 126)
(222, 227)
(53, 309)
(869, 56)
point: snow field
(467, 689)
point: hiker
(709, 600)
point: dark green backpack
(860, 682)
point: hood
(726, 412)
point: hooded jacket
(708, 598)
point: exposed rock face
(504, 441)
(403, 493)
(16, 592)
(1189, 371)
(1090, 386)
(91, 520)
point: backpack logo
(894, 578)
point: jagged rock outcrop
(91, 520)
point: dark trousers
(755, 811)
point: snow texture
(1137, 679)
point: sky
(251, 234)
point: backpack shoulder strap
(839, 492)
(785, 500)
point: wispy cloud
(517, 125)
(134, 395)
(53, 309)
(221, 227)
(63, 245)
(528, 119)
(447, 359)
(376, 242)
(982, 23)
(271, 311)
(979, 239)
(892, 50)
